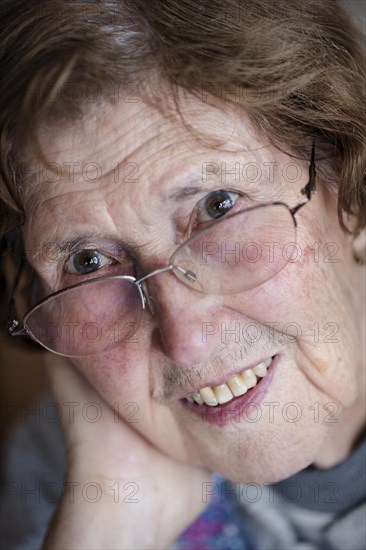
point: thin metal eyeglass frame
(20, 329)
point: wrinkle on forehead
(218, 123)
(161, 148)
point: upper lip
(218, 381)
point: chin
(271, 455)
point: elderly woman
(187, 182)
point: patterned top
(219, 527)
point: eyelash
(110, 266)
(194, 223)
(200, 208)
(85, 250)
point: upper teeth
(234, 387)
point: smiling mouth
(236, 386)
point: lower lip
(235, 410)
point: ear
(359, 247)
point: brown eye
(217, 203)
(86, 261)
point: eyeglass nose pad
(147, 297)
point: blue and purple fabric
(220, 527)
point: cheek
(119, 375)
(303, 292)
(305, 311)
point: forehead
(116, 169)
(155, 139)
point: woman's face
(304, 321)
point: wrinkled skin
(171, 358)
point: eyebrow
(178, 194)
(184, 192)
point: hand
(147, 498)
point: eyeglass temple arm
(310, 187)
(15, 330)
(13, 324)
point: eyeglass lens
(234, 254)
(88, 319)
(238, 252)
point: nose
(186, 320)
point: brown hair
(297, 68)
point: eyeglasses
(238, 252)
